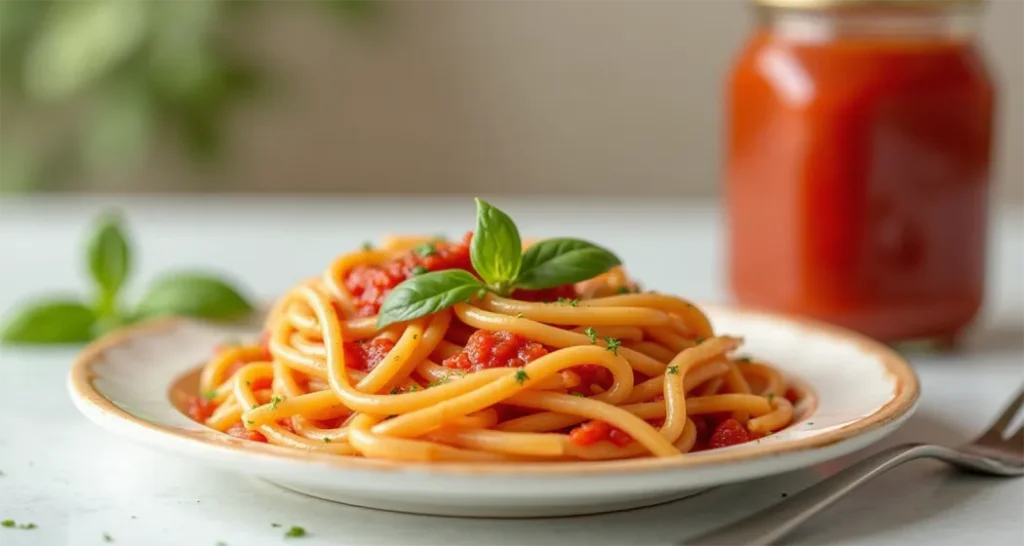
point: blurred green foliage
(124, 71)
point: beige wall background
(593, 96)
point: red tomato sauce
(370, 284)
(499, 349)
(596, 431)
(863, 199)
(239, 431)
(366, 356)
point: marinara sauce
(858, 153)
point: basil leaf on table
(496, 249)
(109, 259)
(193, 295)
(50, 321)
(426, 294)
(554, 262)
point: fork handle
(773, 523)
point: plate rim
(98, 408)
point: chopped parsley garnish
(521, 376)
(698, 340)
(7, 523)
(210, 394)
(367, 245)
(275, 524)
(275, 400)
(570, 302)
(578, 394)
(327, 440)
(674, 370)
(624, 290)
(419, 270)
(771, 396)
(107, 537)
(519, 315)
(395, 390)
(743, 359)
(221, 543)
(249, 421)
(10, 523)
(592, 334)
(426, 250)
(415, 336)
(28, 526)
(295, 531)
(414, 388)
(613, 345)
(437, 382)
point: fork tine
(1008, 414)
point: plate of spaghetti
(491, 376)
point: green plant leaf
(50, 321)
(554, 262)
(496, 250)
(426, 294)
(193, 295)
(109, 256)
(81, 42)
(116, 133)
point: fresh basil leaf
(496, 250)
(193, 295)
(426, 294)
(554, 262)
(109, 258)
(50, 321)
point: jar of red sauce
(858, 154)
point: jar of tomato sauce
(858, 153)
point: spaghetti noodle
(590, 370)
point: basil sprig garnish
(109, 259)
(496, 252)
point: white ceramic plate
(134, 382)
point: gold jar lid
(842, 4)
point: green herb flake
(519, 315)
(295, 532)
(579, 394)
(275, 524)
(7, 523)
(673, 370)
(771, 396)
(209, 395)
(367, 245)
(250, 422)
(414, 388)
(275, 400)
(698, 340)
(426, 250)
(624, 290)
(327, 440)
(592, 334)
(107, 537)
(221, 543)
(27, 526)
(415, 336)
(743, 359)
(395, 390)
(521, 376)
(612, 345)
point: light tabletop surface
(77, 482)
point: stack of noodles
(610, 373)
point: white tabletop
(76, 482)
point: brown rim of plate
(907, 392)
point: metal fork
(996, 452)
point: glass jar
(858, 155)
